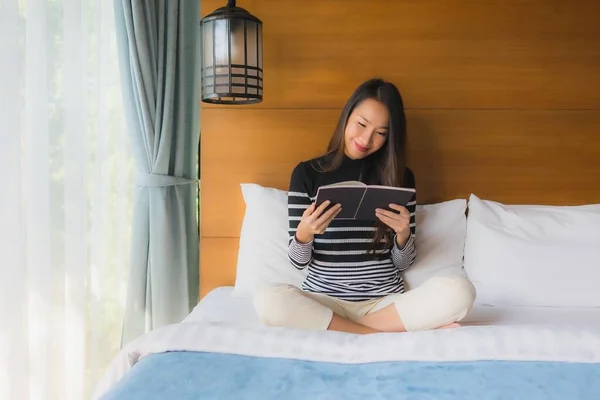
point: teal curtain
(158, 55)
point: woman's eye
(382, 133)
(361, 124)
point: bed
(220, 351)
(519, 340)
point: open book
(359, 200)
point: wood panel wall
(502, 99)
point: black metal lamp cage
(232, 65)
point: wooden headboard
(502, 101)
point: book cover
(359, 200)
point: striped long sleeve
(404, 257)
(300, 254)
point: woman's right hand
(315, 221)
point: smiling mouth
(360, 148)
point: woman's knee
(438, 302)
(460, 295)
(272, 304)
(287, 306)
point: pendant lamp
(232, 63)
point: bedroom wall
(502, 98)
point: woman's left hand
(399, 221)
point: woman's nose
(367, 136)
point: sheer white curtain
(66, 190)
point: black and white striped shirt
(338, 260)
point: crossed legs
(438, 303)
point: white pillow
(440, 241)
(263, 250)
(533, 255)
(263, 257)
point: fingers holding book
(398, 220)
(315, 220)
(319, 219)
(401, 210)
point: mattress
(526, 352)
(224, 306)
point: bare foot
(450, 326)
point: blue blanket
(196, 375)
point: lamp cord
(230, 3)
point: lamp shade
(232, 65)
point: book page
(346, 184)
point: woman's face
(366, 129)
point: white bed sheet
(224, 306)
(225, 323)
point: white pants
(437, 302)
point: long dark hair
(389, 162)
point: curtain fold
(158, 50)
